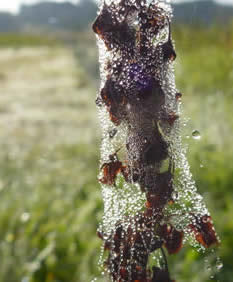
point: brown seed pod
(172, 238)
(168, 49)
(204, 231)
(112, 97)
(116, 35)
(161, 275)
(111, 170)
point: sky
(13, 5)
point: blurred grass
(205, 76)
(50, 201)
(18, 40)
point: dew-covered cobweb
(150, 198)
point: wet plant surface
(154, 202)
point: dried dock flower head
(150, 199)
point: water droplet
(219, 264)
(196, 135)
(112, 133)
(136, 22)
(25, 217)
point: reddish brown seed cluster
(204, 231)
(134, 95)
(111, 169)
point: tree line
(68, 16)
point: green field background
(50, 199)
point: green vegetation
(50, 200)
(21, 39)
(204, 75)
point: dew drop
(136, 22)
(219, 264)
(196, 135)
(112, 133)
(25, 217)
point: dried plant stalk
(150, 199)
